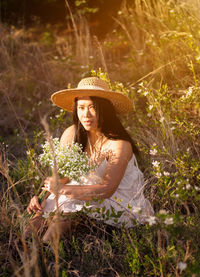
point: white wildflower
(167, 174)
(136, 209)
(120, 85)
(155, 163)
(151, 220)
(45, 215)
(176, 195)
(189, 92)
(163, 211)
(197, 58)
(182, 265)
(169, 221)
(150, 107)
(162, 119)
(188, 186)
(158, 175)
(197, 188)
(153, 152)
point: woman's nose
(86, 112)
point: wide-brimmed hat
(92, 86)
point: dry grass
(156, 42)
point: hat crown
(93, 83)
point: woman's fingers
(28, 210)
(37, 205)
(49, 185)
(46, 185)
(34, 205)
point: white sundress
(127, 203)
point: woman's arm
(120, 154)
(68, 136)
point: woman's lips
(87, 122)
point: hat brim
(65, 98)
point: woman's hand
(34, 205)
(51, 186)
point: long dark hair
(108, 122)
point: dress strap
(135, 161)
(91, 152)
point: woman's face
(87, 114)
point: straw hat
(92, 86)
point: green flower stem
(42, 196)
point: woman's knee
(57, 228)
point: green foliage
(47, 38)
(154, 53)
(84, 8)
(26, 174)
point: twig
(55, 180)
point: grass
(153, 56)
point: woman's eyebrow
(83, 105)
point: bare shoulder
(68, 135)
(121, 148)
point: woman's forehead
(84, 100)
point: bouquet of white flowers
(71, 162)
(70, 159)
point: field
(153, 56)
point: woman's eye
(92, 107)
(80, 108)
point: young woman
(119, 184)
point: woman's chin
(89, 127)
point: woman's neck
(94, 137)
